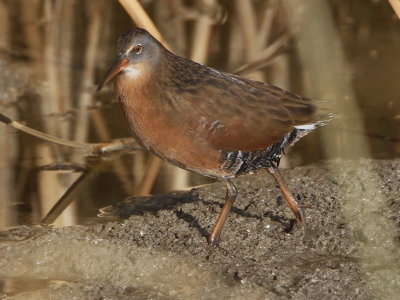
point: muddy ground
(348, 250)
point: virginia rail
(206, 121)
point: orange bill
(119, 64)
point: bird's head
(137, 50)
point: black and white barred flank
(242, 162)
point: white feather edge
(306, 126)
(312, 126)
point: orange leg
(294, 206)
(231, 194)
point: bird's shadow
(171, 201)
(139, 205)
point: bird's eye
(138, 48)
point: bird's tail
(323, 115)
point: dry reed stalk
(161, 15)
(138, 168)
(104, 134)
(264, 57)
(152, 169)
(24, 176)
(79, 185)
(49, 184)
(202, 32)
(8, 147)
(141, 18)
(67, 30)
(30, 14)
(265, 28)
(236, 45)
(52, 188)
(247, 19)
(87, 77)
(8, 160)
(280, 71)
(396, 6)
(5, 27)
(90, 148)
(279, 67)
(177, 9)
(49, 108)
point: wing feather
(230, 113)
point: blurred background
(53, 53)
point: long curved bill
(119, 64)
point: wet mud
(264, 253)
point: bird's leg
(231, 194)
(294, 206)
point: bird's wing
(230, 113)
